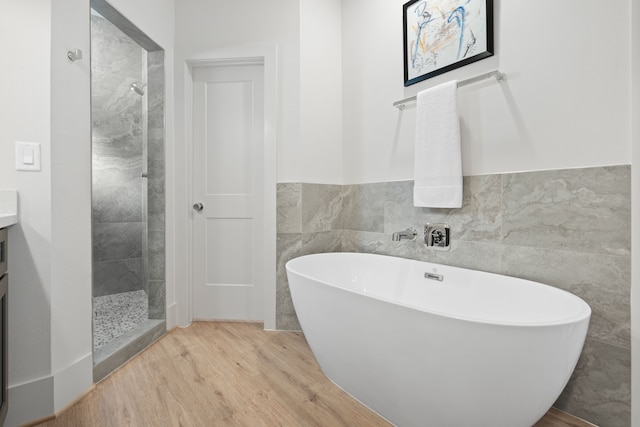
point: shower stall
(127, 114)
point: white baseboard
(72, 382)
(30, 401)
(44, 397)
(172, 316)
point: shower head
(138, 87)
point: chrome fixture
(409, 234)
(138, 87)
(74, 55)
(437, 236)
(499, 76)
(198, 207)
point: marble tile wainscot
(545, 226)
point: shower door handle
(198, 207)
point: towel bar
(501, 77)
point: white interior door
(228, 132)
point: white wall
(635, 218)
(565, 104)
(25, 108)
(71, 313)
(45, 99)
(206, 25)
(320, 91)
(208, 29)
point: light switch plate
(27, 156)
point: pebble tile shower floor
(115, 315)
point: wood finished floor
(227, 374)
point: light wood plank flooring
(227, 374)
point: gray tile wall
(156, 185)
(128, 210)
(117, 165)
(566, 228)
(316, 228)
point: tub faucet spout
(408, 234)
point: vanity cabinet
(4, 302)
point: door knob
(198, 206)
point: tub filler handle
(437, 236)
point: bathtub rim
(583, 315)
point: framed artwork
(441, 35)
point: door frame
(265, 55)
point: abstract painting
(441, 35)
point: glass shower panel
(127, 74)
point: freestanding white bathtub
(473, 349)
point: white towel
(438, 158)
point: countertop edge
(8, 220)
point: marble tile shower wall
(117, 149)
(566, 228)
(122, 122)
(156, 185)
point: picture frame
(442, 35)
